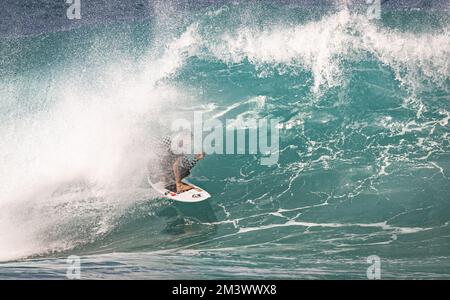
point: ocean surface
(364, 158)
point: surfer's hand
(200, 156)
(181, 187)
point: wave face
(364, 159)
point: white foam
(321, 46)
(95, 138)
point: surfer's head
(182, 142)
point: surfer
(175, 167)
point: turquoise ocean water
(364, 160)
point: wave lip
(322, 47)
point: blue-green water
(364, 160)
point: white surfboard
(196, 194)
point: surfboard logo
(196, 196)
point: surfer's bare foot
(181, 187)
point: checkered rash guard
(187, 161)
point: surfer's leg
(184, 173)
(180, 173)
(170, 180)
